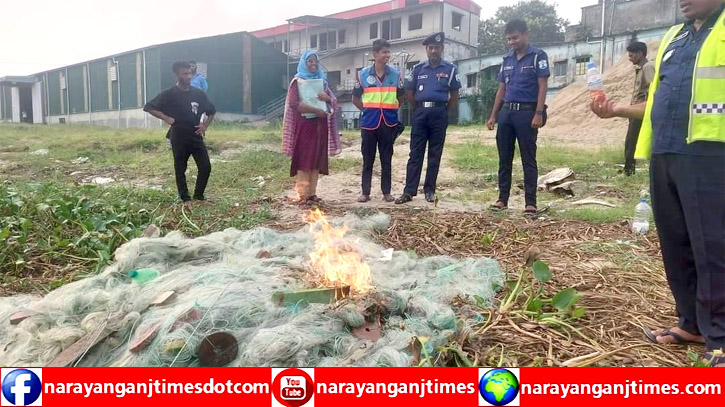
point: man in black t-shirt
(181, 107)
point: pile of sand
(572, 122)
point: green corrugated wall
(268, 70)
(225, 72)
(153, 73)
(223, 56)
(54, 93)
(7, 102)
(127, 74)
(76, 90)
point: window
(112, 72)
(415, 22)
(581, 65)
(323, 42)
(471, 80)
(395, 28)
(202, 67)
(560, 68)
(491, 72)
(457, 21)
(332, 40)
(391, 29)
(341, 37)
(281, 45)
(313, 41)
(333, 79)
(373, 31)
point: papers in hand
(308, 90)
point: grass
(57, 226)
(478, 163)
(49, 202)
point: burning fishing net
(257, 285)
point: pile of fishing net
(224, 282)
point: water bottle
(640, 224)
(594, 81)
(143, 276)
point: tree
(544, 24)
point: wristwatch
(540, 112)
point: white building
(344, 39)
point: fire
(339, 263)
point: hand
(320, 113)
(604, 108)
(491, 123)
(201, 129)
(537, 122)
(324, 97)
(170, 121)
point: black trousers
(516, 125)
(382, 140)
(185, 143)
(630, 144)
(688, 198)
(428, 129)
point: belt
(519, 106)
(431, 104)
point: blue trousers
(688, 201)
(516, 125)
(428, 129)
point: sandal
(314, 198)
(714, 361)
(499, 206)
(531, 210)
(363, 198)
(388, 198)
(679, 340)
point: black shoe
(430, 196)
(403, 199)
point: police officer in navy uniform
(519, 110)
(432, 88)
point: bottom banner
(297, 387)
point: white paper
(308, 91)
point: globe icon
(498, 387)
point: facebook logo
(21, 387)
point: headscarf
(303, 72)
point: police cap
(435, 39)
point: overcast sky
(38, 35)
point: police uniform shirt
(671, 106)
(433, 84)
(521, 75)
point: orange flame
(339, 263)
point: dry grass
(619, 277)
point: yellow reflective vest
(707, 112)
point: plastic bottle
(594, 81)
(640, 224)
(143, 276)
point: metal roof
(14, 80)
